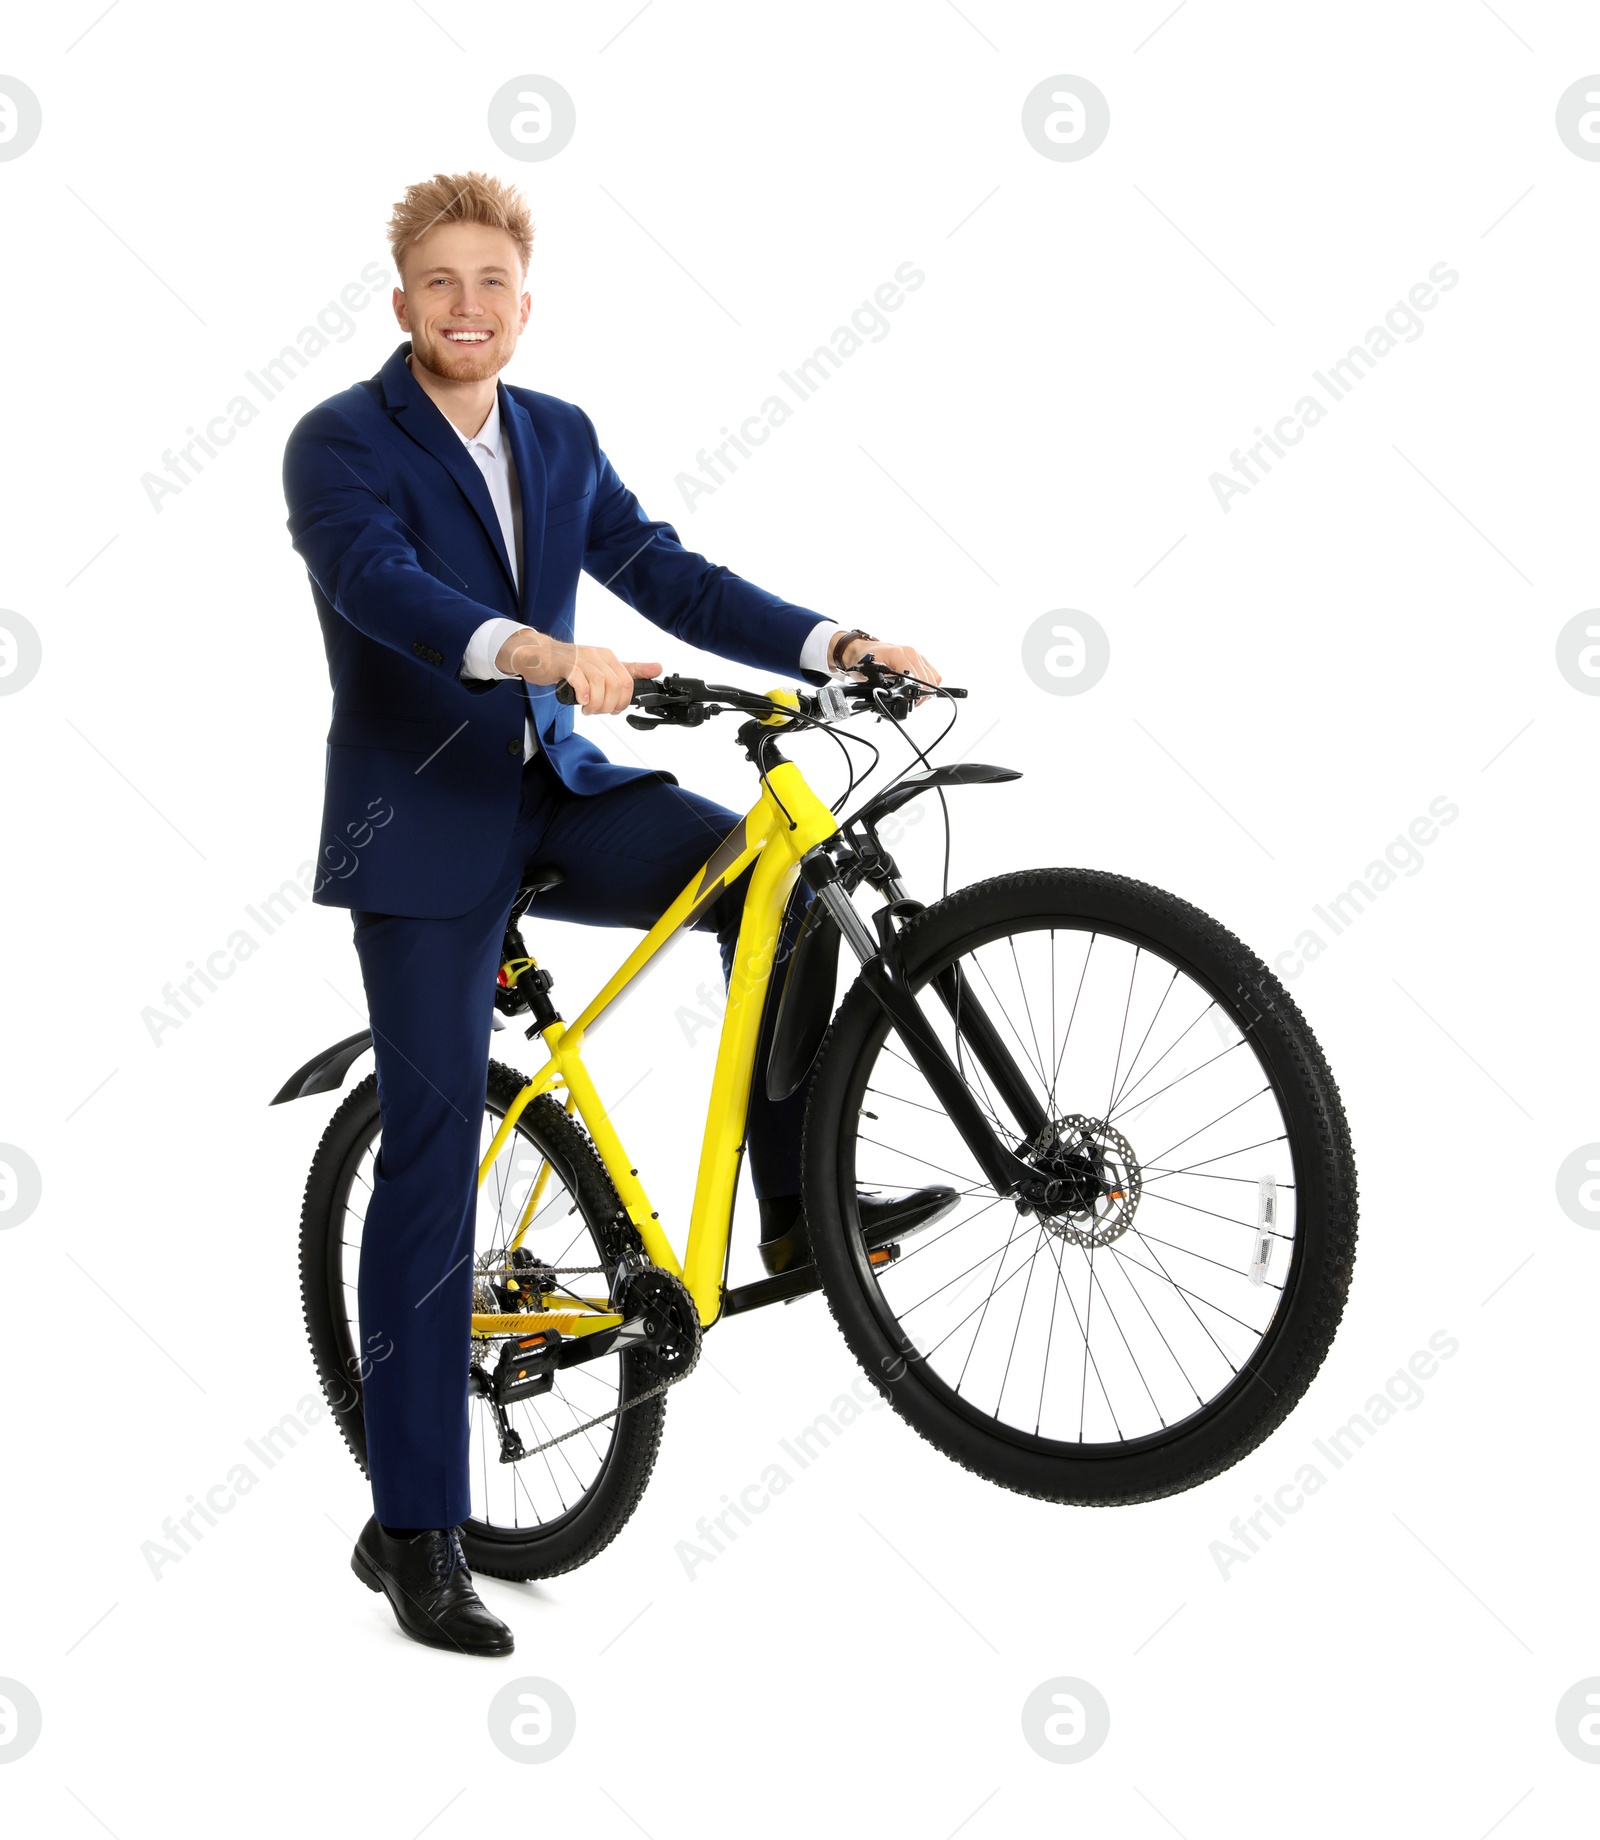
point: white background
(1364, 632)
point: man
(443, 519)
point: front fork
(883, 974)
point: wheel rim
(1086, 1335)
(541, 1494)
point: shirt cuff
(484, 647)
(814, 653)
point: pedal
(880, 1256)
(527, 1367)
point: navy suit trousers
(626, 853)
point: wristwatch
(841, 639)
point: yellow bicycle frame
(785, 822)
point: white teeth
(467, 338)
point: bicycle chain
(556, 1271)
(653, 1392)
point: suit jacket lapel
(416, 414)
(516, 426)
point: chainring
(671, 1320)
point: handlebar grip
(566, 694)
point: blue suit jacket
(395, 524)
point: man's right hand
(601, 681)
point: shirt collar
(489, 434)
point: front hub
(1088, 1180)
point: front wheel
(1151, 1326)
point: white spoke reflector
(1266, 1227)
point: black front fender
(805, 1004)
(325, 1072)
(913, 785)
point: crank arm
(511, 1446)
(569, 1351)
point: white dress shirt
(490, 449)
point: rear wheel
(1158, 1320)
(557, 1507)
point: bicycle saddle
(536, 876)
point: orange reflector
(883, 1255)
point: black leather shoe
(889, 1217)
(787, 1250)
(430, 1589)
(883, 1218)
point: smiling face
(461, 301)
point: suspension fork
(973, 1027)
(883, 973)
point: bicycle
(1151, 1221)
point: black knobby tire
(327, 1277)
(1265, 1388)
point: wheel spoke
(1129, 1092)
(1143, 1039)
(967, 1273)
(1072, 1018)
(976, 1307)
(976, 1181)
(1152, 1097)
(1122, 1035)
(1205, 1258)
(1221, 1157)
(1095, 1280)
(1044, 1082)
(1190, 1297)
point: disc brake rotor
(1100, 1179)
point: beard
(461, 363)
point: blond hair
(461, 198)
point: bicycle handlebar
(691, 700)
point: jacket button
(514, 747)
